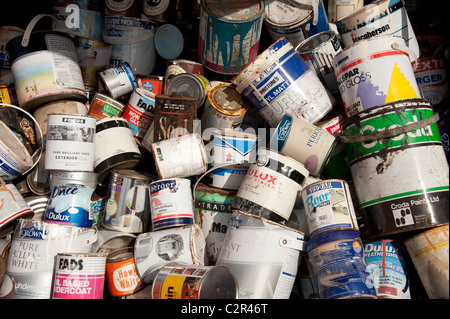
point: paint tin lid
(287, 13)
(314, 42)
(88, 179)
(131, 174)
(227, 100)
(331, 236)
(169, 42)
(188, 85)
(234, 10)
(120, 254)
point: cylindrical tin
(386, 265)
(93, 57)
(118, 80)
(182, 156)
(381, 17)
(79, 276)
(152, 83)
(318, 52)
(70, 142)
(126, 8)
(375, 72)
(304, 142)
(429, 254)
(263, 255)
(121, 273)
(154, 9)
(229, 34)
(397, 187)
(102, 106)
(213, 215)
(171, 203)
(139, 111)
(32, 256)
(432, 79)
(271, 186)
(155, 249)
(279, 82)
(128, 205)
(180, 281)
(338, 8)
(179, 66)
(224, 107)
(328, 206)
(191, 85)
(337, 265)
(12, 205)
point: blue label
(173, 222)
(32, 233)
(73, 216)
(241, 146)
(282, 132)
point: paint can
(115, 146)
(318, 51)
(12, 205)
(155, 249)
(429, 254)
(263, 255)
(118, 80)
(303, 142)
(127, 205)
(121, 273)
(374, 72)
(155, 9)
(182, 156)
(389, 149)
(271, 186)
(379, 18)
(295, 20)
(213, 215)
(34, 245)
(79, 276)
(179, 66)
(70, 142)
(189, 85)
(229, 34)
(171, 203)
(152, 83)
(432, 79)
(337, 9)
(110, 240)
(169, 41)
(387, 267)
(102, 106)
(7, 33)
(140, 111)
(233, 147)
(279, 82)
(125, 8)
(180, 281)
(70, 198)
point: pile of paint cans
(288, 151)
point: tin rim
(290, 24)
(119, 255)
(315, 42)
(221, 87)
(129, 173)
(256, 16)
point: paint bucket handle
(292, 244)
(30, 26)
(403, 48)
(91, 240)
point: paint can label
(118, 80)
(103, 106)
(431, 76)
(139, 111)
(121, 276)
(12, 204)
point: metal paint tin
(79, 276)
(337, 265)
(337, 9)
(179, 66)
(121, 273)
(155, 249)
(432, 79)
(328, 206)
(139, 111)
(263, 255)
(429, 254)
(126, 8)
(400, 171)
(386, 265)
(102, 106)
(171, 203)
(229, 34)
(12, 205)
(271, 186)
(180, 281)
(154, 8)
(110, 240)
(189, 85)
(152, 83)
(34, 245)
(127, 205)
(182, 156)
(118, 80)
(381, 17)
(304, 142)
(93, 57)
(279, 82)
(70, 142)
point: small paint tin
(169, 41)
(432, 79)
(171, 203)
(155, 249)
(140, 111)
(271, 186)
(336, 9)
(152, 83)
(190, 85)
(118, 80)
(121, 273)
(179, 66)
(103, 106)
(127, 205)
(180, 281)
(70, 142)
(70, 198)
(79, 276)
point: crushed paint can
(390, 149)
(429, 254)
(180, 281)
(337, 9)
(263, 255)
(432, 79)
(374, 72)
(229, 34)
(271, 186)
(118, 80)
(279, 82)
(189, 85)
(127, 205)
(70, 142)
(155, 249)
(140, 111)
(387, 267)
(337, 265)
(213, 215)
(12, 205)
(110, 240)
(79, 276)
(103, 106)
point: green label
(110, 110)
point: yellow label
(4, 95)
(172, 287)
